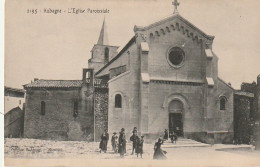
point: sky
(57, 46)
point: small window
(20, 102)
(42, 108)
(75, 111)
(106, 55)
(222, 103)
(118, 101)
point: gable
(173, 23)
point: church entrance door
(175, 123)
(176, 117)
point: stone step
(182, 142)
(185, 145)
(179, 143)
(186, 142)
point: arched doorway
(176, 117)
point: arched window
(75, 111)
(106, 55)
(118, 101)
(222, 103)
(43, 108)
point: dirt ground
(31, 152)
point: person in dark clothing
(122, 143)
(139, 149)
(158, 152)
(166, 136)
(103, 142)
(107, 135)
(173, 137)
(114, 142)
(134, 139)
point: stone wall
(242, 127)
(58, 119)
(101, 112)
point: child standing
(140, 144)
(114, 142)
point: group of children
(137, 143)
(118, 143)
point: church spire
(103, 37)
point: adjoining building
(247, 114)
(13, 112)
(66, 109)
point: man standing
(134, 139)
(107, 135)
(122, 143)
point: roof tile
(42, 83)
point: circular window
(175, 56)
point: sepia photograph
(131, 83)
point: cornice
(170, 18)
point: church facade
(165, 77)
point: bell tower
(102, 52)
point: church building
(165, 77)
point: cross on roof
(175, 4)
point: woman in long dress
(122, 143)
(158, 152)
(103, 143)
